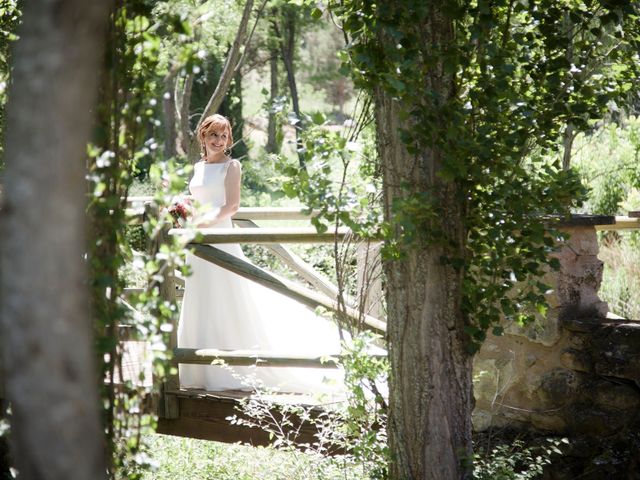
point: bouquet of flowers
(179, 211)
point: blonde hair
(214, 123)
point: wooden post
(168, 404)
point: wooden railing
(325, 295)
(274, 240)
(621, 222)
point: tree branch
(229, 67)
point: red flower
(179, 212)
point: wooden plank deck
(204, 415)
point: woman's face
(216, 140)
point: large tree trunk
(46, 331)
(430, 398)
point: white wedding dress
(222, 310)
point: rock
(545, 330)
(481, 420)
(578, 281)
(578, 324)
(582, 241)
(576, 360)
(491, 377)
(548, 422)
(558, 387)
(588, 419)
(617, 351)
(609, 395)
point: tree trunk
(46, 332)
(287, 48)
(169, 110)
(430, 398)
(272, 142)
(231, 67)
(567, 143)
(569, 134)
(184, 138)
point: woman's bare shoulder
(234, 164)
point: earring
(227, 151)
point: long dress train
(225, 311)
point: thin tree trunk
(430, 398)
(287, 48)
(567, 141)
(46, 330)
(169, 110)
(569, 134)
(272, 142)
(230, 68)
(184, 138)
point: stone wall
(576, 371)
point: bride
(224, 311)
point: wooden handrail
(136, 210)
(281, 285)
(622, 223)
(208, 356)
(600, 222)
(259, 358)
(262, 235)
(272, 213)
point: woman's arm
(232, 194)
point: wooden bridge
(200, 414)
(203, 414)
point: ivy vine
(523, 71)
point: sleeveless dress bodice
(207, 186)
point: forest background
(292, 104)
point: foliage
(355, 427)
(195, 41)
(206, 78)
(178, 458)
(608, 160)
(516, 86)
(363, 426)
(516, 461)
(124, 136)
(621, 275)
(320, 67)
(9, 19)
(337, 183)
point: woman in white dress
(225, 311)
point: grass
(621, 276)
(178, 458)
